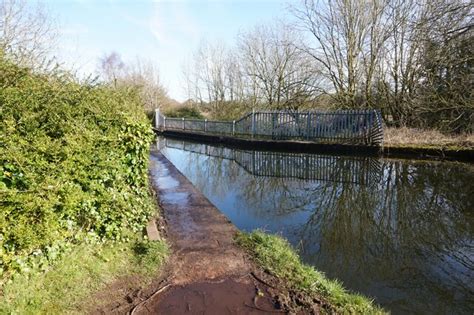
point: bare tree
(27, 32)
(144, 75)
(111, 67)
(348, 36)
(399, 65)
(267, 69)
(235, 80)
(412, 58)
(279, 74)
(427, 63)
(214, 78)
(445, 97)
(141, 74)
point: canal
(398, 231)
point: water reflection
(401, 232)
(356, 170)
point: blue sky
(165, 32)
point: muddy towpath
(208, 272)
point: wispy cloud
(172, 23)
(165, 31)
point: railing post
(233, 127)
(184, 124)
(368, 127)
(253, 123)
(164, 122)
(205, 125)
(273, 125)
(379, 128)
(157, 118)
(308, 125)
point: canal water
(398, 231)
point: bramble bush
(73, 165)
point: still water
(399, 231)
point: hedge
(73, 165)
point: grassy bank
(432, 139)
(276, 256)
(68, 286)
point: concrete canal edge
(208, 270)
(464, 155)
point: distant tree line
(411, 58)
(142, 75)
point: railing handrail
(317, 111)
(199, 120)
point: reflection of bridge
(357, 170)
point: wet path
(210, 274)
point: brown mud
(229, 296)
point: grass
(80, 273)
(275, 255)
(418, 138)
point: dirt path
(209, 273)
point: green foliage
(71, 283)
(276, 255)
(147, 254)
(184, 112)
(73, 165)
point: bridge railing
(344, 126)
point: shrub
(184, 112)
(73, 164)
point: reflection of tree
(411, 230)
(410, 234)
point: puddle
(175, 197)
(227, 297)
(201, 236)
(167, 182)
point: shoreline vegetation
(74, 191)
(419, 138)
(69, 286)
(275, 255)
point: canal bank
(394, 151)
(397, 230)
(210, 271)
